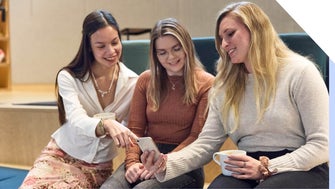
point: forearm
(132, 156)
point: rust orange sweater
(174, 122)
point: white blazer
(77, 136)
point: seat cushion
(11, 177)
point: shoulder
(203, 77)
(145, 74)
(299, 67)
(300, 73)
(64, 75)
(144, 78)
(204, 81)
(126, 71)
(127, 76)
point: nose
(224, 43)
(171, 55)
(110, 49)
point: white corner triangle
(317, 18)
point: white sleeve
(76, 115)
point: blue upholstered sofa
(135, 52)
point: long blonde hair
(157, 89)
(265, 55)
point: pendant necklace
(173, 85)
(103, 93)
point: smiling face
(170, 54)
(106, 46)
(235, 40)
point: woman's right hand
(137, 172)
(121, 135)
(154, 167)
(133, 172)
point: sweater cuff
(282, 164)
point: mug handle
(215, 159)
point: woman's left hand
(245, 167)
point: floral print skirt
(56, 169)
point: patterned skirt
(56, 169)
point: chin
(236, 62)
(111, 64)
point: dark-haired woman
(80, 152)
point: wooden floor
(25, 130)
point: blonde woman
(169, 105)
(272, 102)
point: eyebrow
(102, 42)
(228, 29)
(174, 46)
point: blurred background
(45, 34)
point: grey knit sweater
(297, 120)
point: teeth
(230, 51)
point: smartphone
(146, 143)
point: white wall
(45, 34)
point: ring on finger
(160, 165)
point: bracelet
(264, 168)
(100, 128)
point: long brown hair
(157, 89)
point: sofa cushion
(136, 55)
(206, 52)
(11, 177)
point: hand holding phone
(147, 144)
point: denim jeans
(193, 179)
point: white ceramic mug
(219, 158)
(105, 115)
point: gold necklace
(173, 85)
(103, 93)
